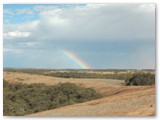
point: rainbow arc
(75, 59)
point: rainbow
(75, 59)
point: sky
(79, 36)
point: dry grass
(138, 103)
(98, 84)
(118, 100)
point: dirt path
(118, 100)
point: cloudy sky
(78, 36)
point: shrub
(22, 99)
(141, 79)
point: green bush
(22, 99)
(141, 79)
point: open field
(130, 102)
(118, 100)
(97, 84)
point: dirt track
(118, 100)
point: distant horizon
(77, 68)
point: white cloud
(41, 8)
(53, 17)
(16, 34)
(13, 51)
(91, 22)
(24, 11)
(7, 11)
(104, 22)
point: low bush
(21, 99)
(141, 79)
(89, 75)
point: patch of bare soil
(118, 100)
